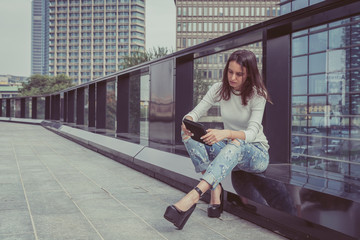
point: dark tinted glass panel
(28, 108)
(12, 107)
(299, 85)
(110, 105)
(17, 108)
(3, 108)
(41, 108)
(86, 106)
(317, 63)
(299, 65)
(318, 42)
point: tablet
(196, 128)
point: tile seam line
(117, 200)
(68, 194)
(25, 194)
(108, 192)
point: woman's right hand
(184, 129)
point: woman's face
(236, 75)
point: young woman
(241, 144)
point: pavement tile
(15, 222)
(76, 193)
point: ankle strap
(198, 191)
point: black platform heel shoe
(178, 217)
(215, 210)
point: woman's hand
(215, 135)
(184, 129)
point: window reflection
(317, 63)
(110, 105)
(336, 82)
(41, 108)
(299, 65)
(337, 38)
(12, 108)
(318, 42)
(28, 105)
(299, 85)
(336, 60)
(3, 108)
(325, 121)
(300, 46)
(17, 108)
(317, 84)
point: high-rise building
(89, 38)
(39, 37)
(199, 21)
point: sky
(15, 32)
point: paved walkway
(52, 188)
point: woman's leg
(250, 157)
(246, 156)
(201, 156)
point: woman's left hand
(214, 136)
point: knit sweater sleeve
(255, 122)
(205, 104)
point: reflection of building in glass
(326, 96)
(89, 39)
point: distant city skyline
(15, 28)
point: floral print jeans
(221, 158)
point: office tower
(89, 38)
(39, 37)
(199, 21)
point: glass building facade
(326, 96)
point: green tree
(44, 84)
(144, 56)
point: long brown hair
(246, 59)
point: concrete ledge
(22, 120)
